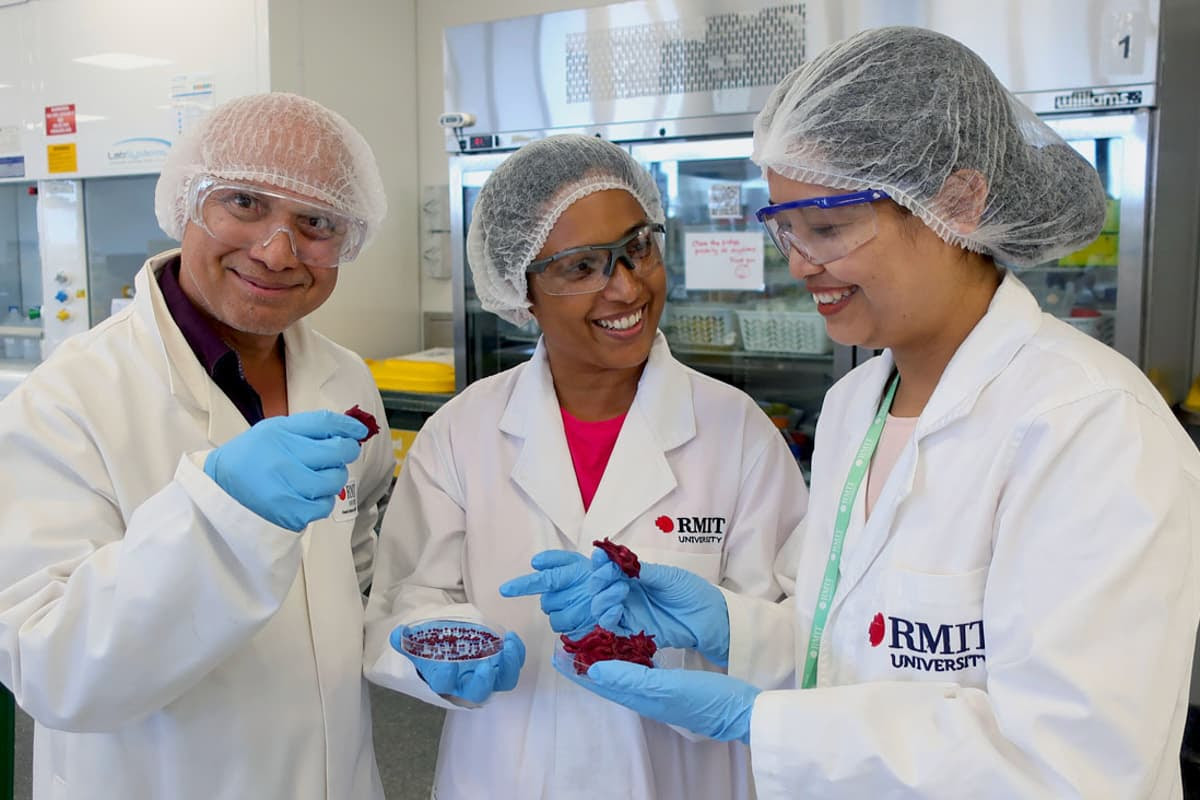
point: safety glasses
(823, 229)
(582, 270)
(244, 216)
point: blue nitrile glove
(707, 703)
(679, 608)
(473, 681)
(562, 581)
(288, 470)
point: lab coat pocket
(930, 626)
(936, 589)
(706, 565)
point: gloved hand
(288, 469)
(473, 681)
(562, 581)
(678, 607)
(707, 703)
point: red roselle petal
(621, 555)
(604, 645)
(366, 418)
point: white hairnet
(522, 200)
(902, 109)
(281, 140)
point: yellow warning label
(61, 158)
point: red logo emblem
(342, 494)
(876, 630)
(665, 524)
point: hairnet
(522, 200)
(902, 109)
(277, 139)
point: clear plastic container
(564, 662)
(448, 640)
(31, 348)
(12, 342)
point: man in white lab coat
(601, 434)
(186, 517)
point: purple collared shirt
(219, 360)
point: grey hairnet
(281, 140)
(902, 109)
(520, 202)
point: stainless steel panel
(465, 172)
(657, 60)
(1132, 130)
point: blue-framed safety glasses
(823, 229)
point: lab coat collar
(1011, 320)
(638, 475)
(543, 469)
(189, 382)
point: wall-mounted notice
(61, 158)
(725, 201)
(724, 261)
(192, 96)
(12, 160)
(60, 120)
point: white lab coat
(489, 482)
(169, 642)
(1032, 562)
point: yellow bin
(429, 371)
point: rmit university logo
(693, 530)
(929, 648)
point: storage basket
(695, 325)
(783, 332)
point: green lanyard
(858, 471)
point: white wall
(125, 118)
(432, 17)
(358, 58)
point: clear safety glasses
(823, 229)
(582, 270)
(243, 216)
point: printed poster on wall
(12, 160)
(192, 96)
(732, 260)
(60, 120)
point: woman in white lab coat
(697, 477)
(998, 597)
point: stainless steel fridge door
(484, 344)
(733, 310)
(1100, 288)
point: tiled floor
(406, 741)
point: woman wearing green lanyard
(995, 584)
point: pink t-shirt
(895, 435)
(590, 443)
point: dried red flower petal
(621, 555)
(366, 418)
(604, 645)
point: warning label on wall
(61, 158)
(60, 120)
